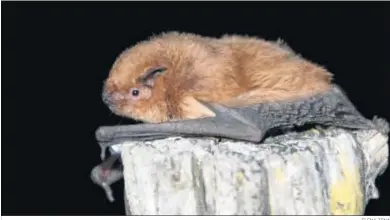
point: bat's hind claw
(105, 174)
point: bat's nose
(107, 98)
(112, 98)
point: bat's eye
(134, 92)
(138, 93)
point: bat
(234, 87)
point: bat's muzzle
(107, 99)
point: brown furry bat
(232, 87)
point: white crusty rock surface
(316, 172)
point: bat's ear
(149, 78)
(194, 109)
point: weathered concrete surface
(316, 172)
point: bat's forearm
(227, 123)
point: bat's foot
(105, 174)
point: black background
(56, 56)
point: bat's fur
(231, 70)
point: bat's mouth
(118, 109)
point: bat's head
(153, 81)
(135, 87)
